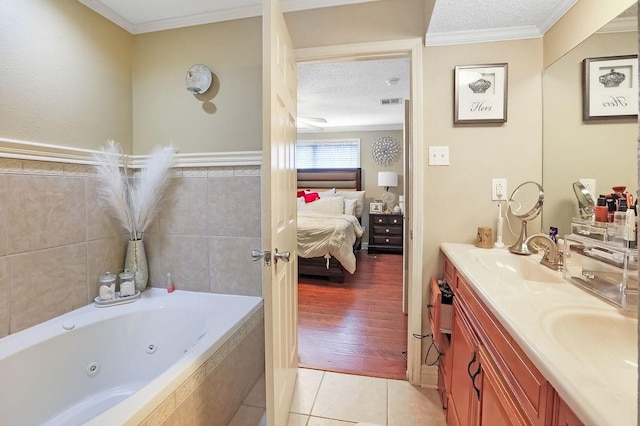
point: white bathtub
(114, 365)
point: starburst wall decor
(386, 151)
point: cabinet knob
(386, 240)
(386, 230)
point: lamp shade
(387, 179)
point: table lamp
(387, 180)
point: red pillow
(300, 194)
(311, 196)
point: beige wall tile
(47, 283)
(234, 206)
(102, 256)
(157, 268)
(3, 215)
(186, 257)
(45, 211)
(100, 222)
(185, 209)
(232, 270)
(4, 297)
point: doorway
(413, 251)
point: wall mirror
(573, 149)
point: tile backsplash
(56, 239)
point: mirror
(585, 201)
(525, 203)
(572, 149)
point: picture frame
(375, 207)
(610, 88)
(480, 93)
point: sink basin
(515, 267)
(610, 340)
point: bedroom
(352, 117)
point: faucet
(552, 257)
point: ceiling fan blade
(313, 119)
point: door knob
(257, 255)
(285, 255)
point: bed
(327, 238)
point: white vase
(136, 262)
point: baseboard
(429, 376)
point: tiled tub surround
(55, 239)
(202, 344)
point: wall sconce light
(198, 79)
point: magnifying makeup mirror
(525, 203)
(585, 200)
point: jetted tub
(127, 364)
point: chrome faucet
(552, 257)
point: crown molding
(36, 151)
(620, 25)
(481, 36)
(555, 14)
(209, 17)
(99, 7)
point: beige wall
(573, 149)
(582, 20)
(65, 75)
(226, 118)
(359, 23)
(458, 197)
(369, 167)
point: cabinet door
(464, 363)
(564, 416)
(498, 405)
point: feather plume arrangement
(134, 205)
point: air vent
(391, 101)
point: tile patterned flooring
(335, 399)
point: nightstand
(385, 233)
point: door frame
(389, 49)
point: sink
(513, 267)
(598, 337)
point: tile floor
(333, 399)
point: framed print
(610, 88)
(480, 94)
(375, 208)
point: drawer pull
(386, 240)
(386, 230)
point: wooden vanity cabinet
(488, 379)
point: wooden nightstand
(385, 232)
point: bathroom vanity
(527, 347)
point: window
(328, 153)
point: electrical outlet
(590, 185)
(498, 189)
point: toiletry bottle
(601, 209)
(629, 233)
(611, 209)
(170, 286)
(619, 218)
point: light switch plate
(438, 155)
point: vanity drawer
(528, 385)
(440, 314)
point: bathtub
(138, 363)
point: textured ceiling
(348, 94)
(456, 15)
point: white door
(280, 279)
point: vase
(136, 262)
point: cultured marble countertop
(553, 321)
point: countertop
(598, 386)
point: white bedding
(321, 234)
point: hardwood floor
(357, 326)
